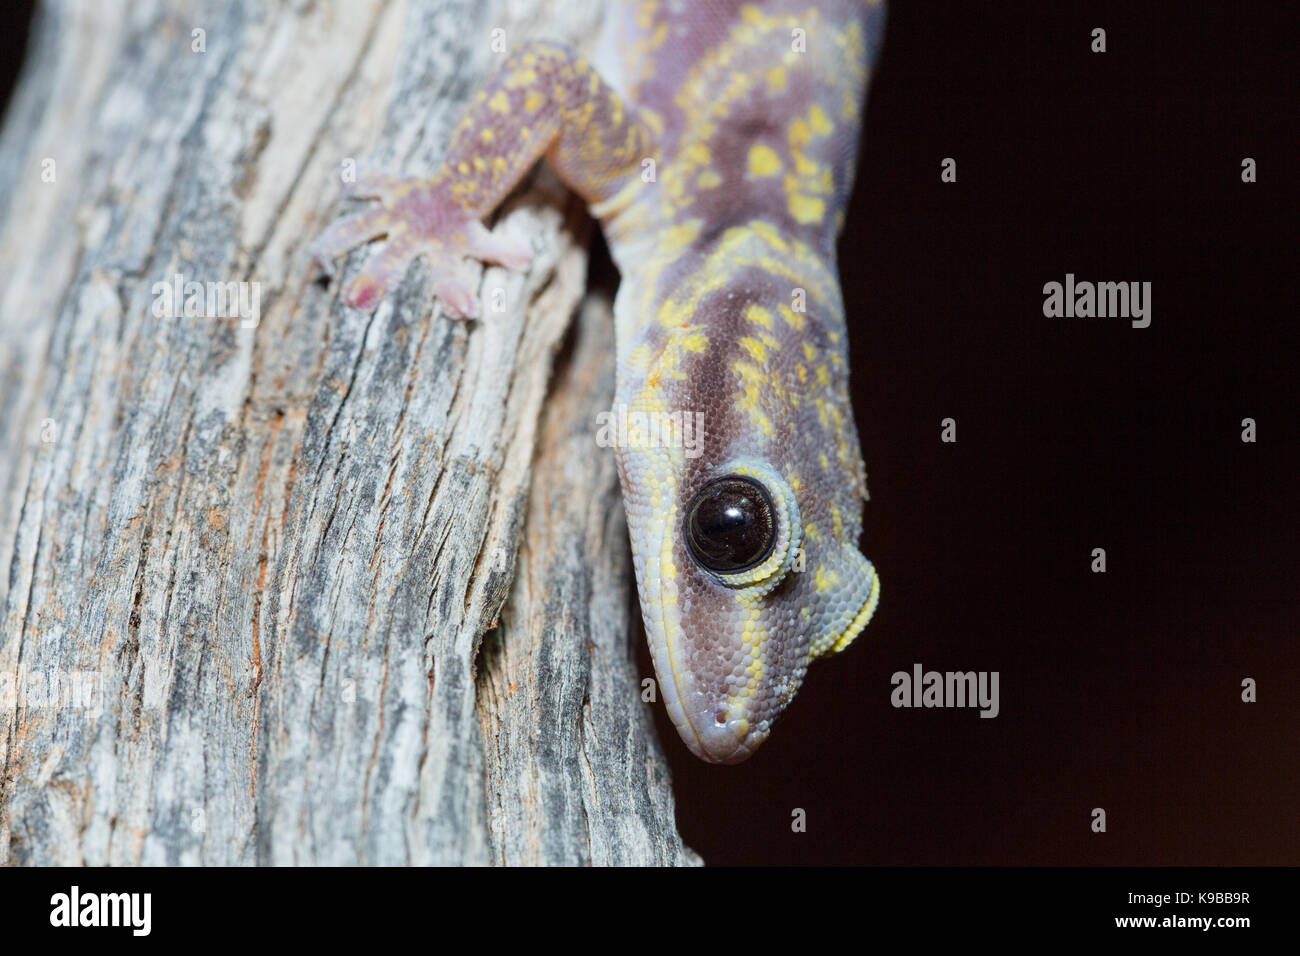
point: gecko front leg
(543, 101)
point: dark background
(15, 20)
(1118, 690)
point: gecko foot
(418, 218)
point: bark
(340, 588)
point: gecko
(716, 146)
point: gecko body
(718, 155)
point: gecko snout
(721, 737)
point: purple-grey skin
(717, 151)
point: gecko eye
(731, 525)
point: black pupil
(730, 525)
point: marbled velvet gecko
(717, 152)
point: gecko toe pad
(419, 220)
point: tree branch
(247, 569)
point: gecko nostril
(720, 717)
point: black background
(1118, 690)
(15, 20)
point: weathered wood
(261, 561)
(563, 656)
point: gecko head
(741, 588)
(745, 528)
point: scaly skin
(729, 306)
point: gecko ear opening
(860, 585)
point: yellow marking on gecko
(806, 209)
(756, 349)
(821, 123)
(825, 580)
(794, 319)
(863, 616)
(695, 341)
(758, 315)
(769, 234)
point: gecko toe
(456, 286)
(418, 219)
(346, 234)
(371, 182)
(384, 271)
(503, 248)
(363, 293)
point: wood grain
(260, 562)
